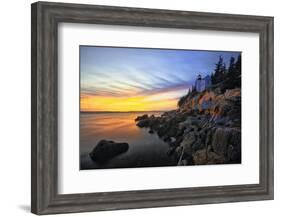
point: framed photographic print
(135, 108)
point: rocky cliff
(205, 129)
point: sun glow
(124, 104)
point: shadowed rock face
(106, 150)
(205, 129)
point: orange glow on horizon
(125, 104)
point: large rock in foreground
(105, 150)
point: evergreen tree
(238, 65)
(233, 76)
(224, 71)
(231, 68)
(212, 78)
(219, 71)
(238, 72)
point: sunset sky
(134, 79)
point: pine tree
(219, 71)
(231, 68)
(238, 72)
(238, 65)
(233, 75)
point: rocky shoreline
(205, 129)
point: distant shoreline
(98, 112)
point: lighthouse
(202, 84)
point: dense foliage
(223, 77)
(227, 78)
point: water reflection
(144, 149)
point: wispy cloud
(121, 79)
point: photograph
(151, 107)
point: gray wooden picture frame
(44, 187)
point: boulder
(171, 151)
(223, 137)
(185, 157)
(200, 157)
(143, 123)
(141, 117)
(163, 130)
(105, 150)
(234, 154)
(204, 156)
(166, 138)
(188, 141)
(199, 144)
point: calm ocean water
(145, 150)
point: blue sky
(157, 74)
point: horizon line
(122, 111)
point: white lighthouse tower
(202, 83)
